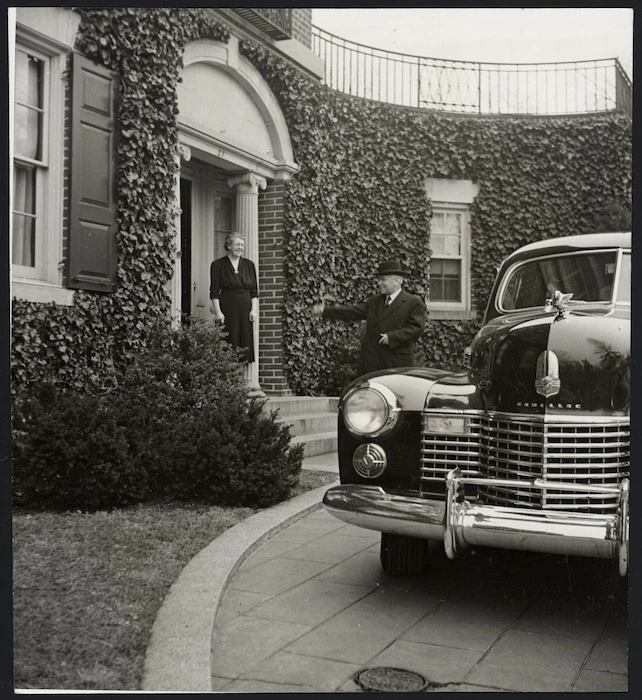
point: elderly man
(394, 321)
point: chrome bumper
(459, 523)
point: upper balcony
(275, 22)
(463, 87)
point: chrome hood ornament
(558, 301)
(547, 373)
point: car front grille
(510, 447)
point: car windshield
(588, 276)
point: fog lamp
(446, 425)
(369, 460)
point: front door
(208, 215)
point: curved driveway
(311, 607)
(293, 600)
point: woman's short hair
(232, 237)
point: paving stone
(362, 569)
(263, 687)
(312, 602)
(245, 641)
(528, 679)
(266, 552)
(611, 651)
(236, 603)
(473, 624)
(219, 682)
(601, 682)
(562, 617)
(276, 575)
(354, 531)
(364, 629)
(322, 514)
(304, 531)
(400, 596)
(322, 675)
(435, 663)
(530, 662)
(331, 548)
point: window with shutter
(93, 254)
(36, 202)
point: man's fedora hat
(390, 267)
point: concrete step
(317, 443)
(309, 423)
(296, 405)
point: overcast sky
(489, 34)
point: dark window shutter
(93, 256)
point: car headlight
(370, 410)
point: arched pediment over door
(233, 140)
(227, 112)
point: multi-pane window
(450, 273)
(29, 168)
(448, 241)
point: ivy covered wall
(358, 198)
(78, 345)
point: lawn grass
(87, 586)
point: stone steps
(296, 405)
(312, 419)
(310, 423)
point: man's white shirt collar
(394, 295)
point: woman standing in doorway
(234, 294)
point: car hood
(554, 364)
(588, 371)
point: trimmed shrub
(234, 455)
(69, 453)
(179, 424)
(185, 405)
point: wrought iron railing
(473, 88)
(275, 22)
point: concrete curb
(178, 657)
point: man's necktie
(388, 301)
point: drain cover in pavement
(387, 679)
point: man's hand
(317, 309)
(383, 340)
(253, 316)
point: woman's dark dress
(235, 292)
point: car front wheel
(403, 556)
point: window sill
(451, 315)
(42, 292)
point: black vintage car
(528, 447)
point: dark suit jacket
(403, 321)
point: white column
(247, 224)
(183, 153)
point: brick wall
(271, 274)
(301, 25)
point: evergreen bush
(70, 453)
(179, 423)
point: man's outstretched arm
(341, 312)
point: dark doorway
(186, 249)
